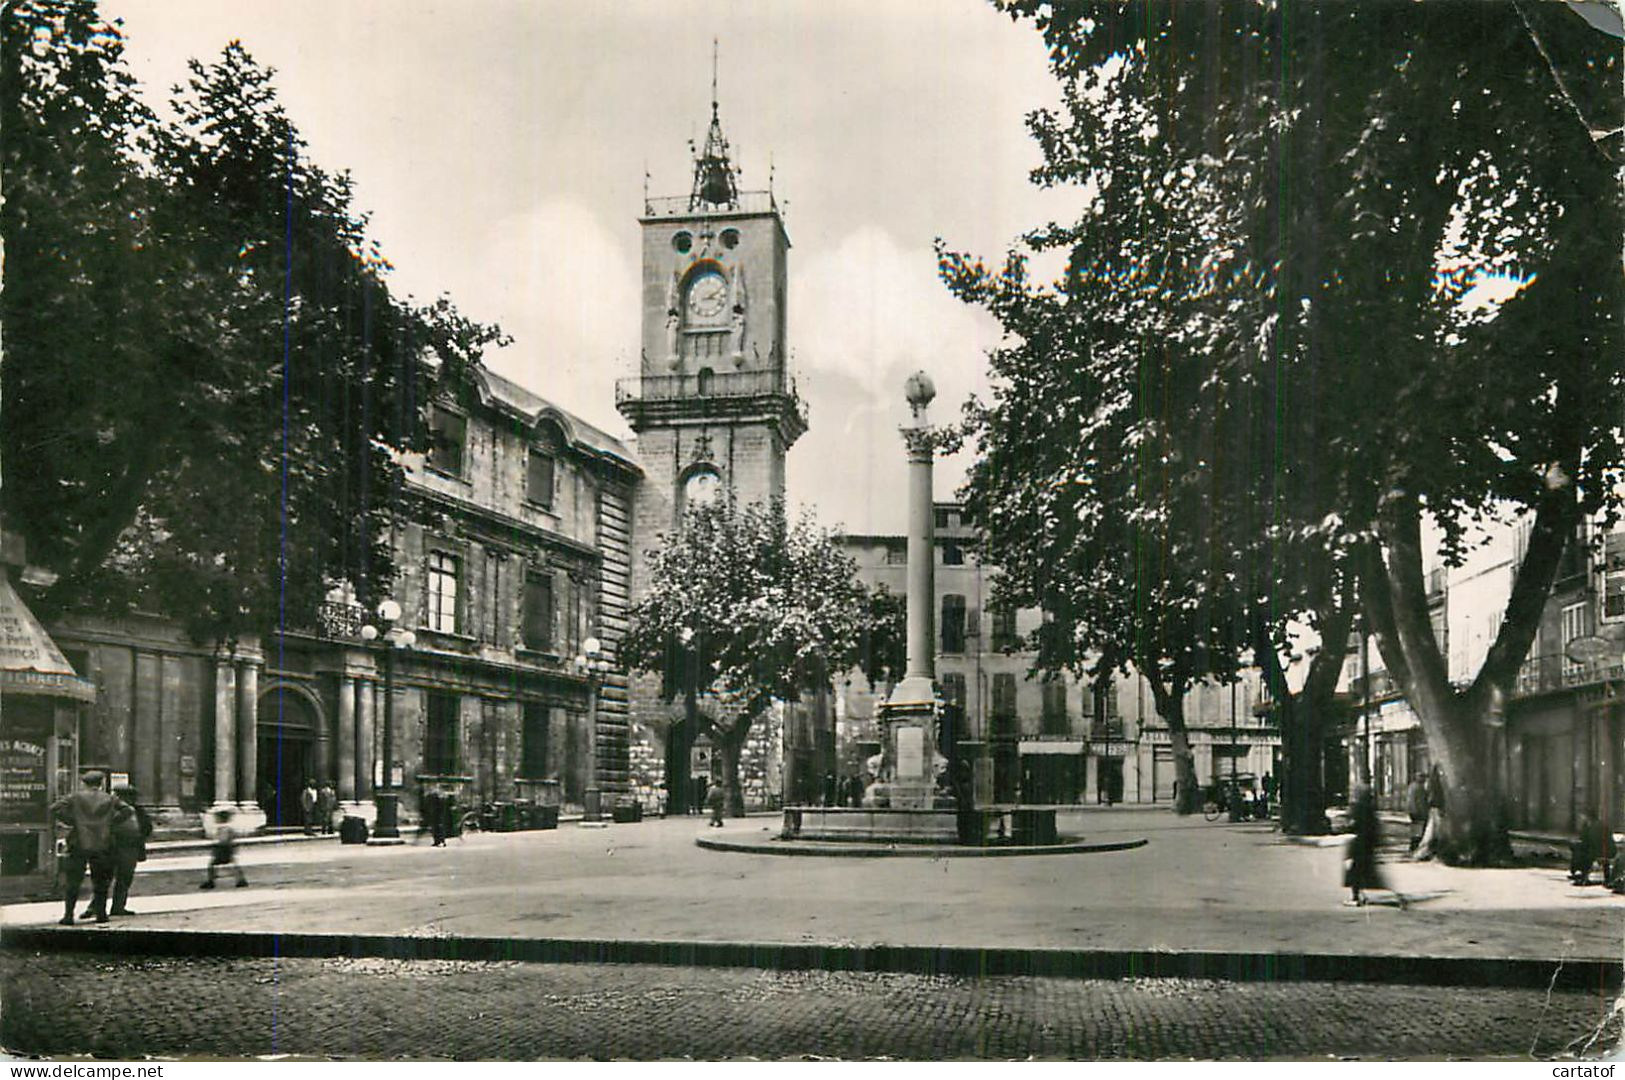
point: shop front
(40, 702)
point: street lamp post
(691, 713)
(1365, 705)
(1235, 792)
(386, 825)
(592, 666)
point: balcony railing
(723, 384)
(338, 619)
(1554, 671)
(750, 202)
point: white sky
(501, 145)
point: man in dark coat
(129, 847)
(91, 814)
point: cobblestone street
(131, 1007)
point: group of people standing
(1424, 802)
(107, 837)
(316, 807)
(843, 791)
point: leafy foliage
(207, 379)
(1272, 337)
(745, 604)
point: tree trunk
(1461, 725)
(1170, 701)
(729, 743)
(1303, 715)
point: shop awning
(30, 662)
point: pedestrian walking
(1416, 805)
(224, 852)
(829, 789)
(308, 798)
(1430, 835)
(716, 799)
(327, 801)
(129, 847)
(1360, 871)
(90, 813)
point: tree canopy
(749, 606)
(207, 380)
(1338, 269)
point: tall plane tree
(1405, 159)
(207, 380)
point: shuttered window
(538, 625)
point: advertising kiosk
(40, 702)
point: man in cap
(91, 814)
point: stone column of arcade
(908, 718)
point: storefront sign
(1109, 749)
(23, 798)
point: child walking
(225, 850)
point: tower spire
(713, 170)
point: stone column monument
(908, 719)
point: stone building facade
(1034, 738)
(513, 548)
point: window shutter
(973, 622)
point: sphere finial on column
(918, 390)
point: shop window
(538, 624)
(442, 592)
(448, 432)
(441, 756)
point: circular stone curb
(852, 850)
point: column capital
(921, 442)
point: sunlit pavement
(1195, 886)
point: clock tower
(713, 404)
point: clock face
(702, 488)
(707, 295)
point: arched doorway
(288, 722)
